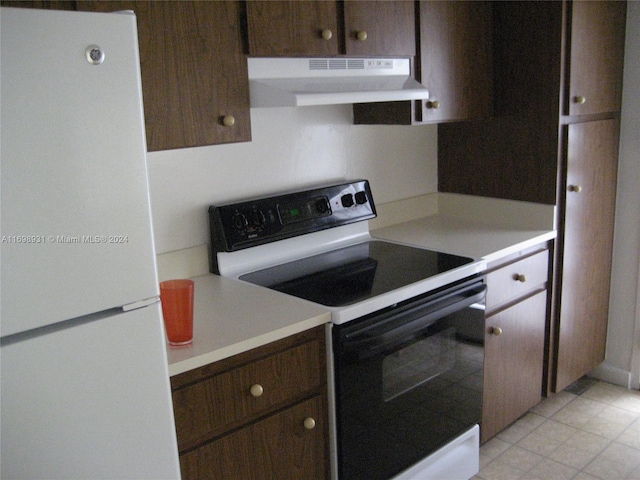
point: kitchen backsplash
(291, 147)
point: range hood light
(296, 82)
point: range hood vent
(296, 82)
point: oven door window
(419, 362)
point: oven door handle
(372, 343)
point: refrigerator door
(90, 402)
(76, 228)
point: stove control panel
(267, 219)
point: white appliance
(299, 82)
(84, 376)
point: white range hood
(296, 82)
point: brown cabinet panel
(596, 56)
(225, 431)
(456, 59)
(586, 248)
(44, 4)
(293, 27)
(515, 154)
(455, 64)
(505, 157)
(513, 363)
(517, 279)
(209, 407)
(389, 27)
(194, 74)
(277, 447)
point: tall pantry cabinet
(554, 140)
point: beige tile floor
(588, 432)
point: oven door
(408, 380)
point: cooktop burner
(355, 273)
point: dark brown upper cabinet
(278, 28)
(596, 57)
(355, 27)
(194, 74)
(379, 28)
(454, 62)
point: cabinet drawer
(280, 446)
(232, 398)
(516, 279)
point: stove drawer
(514, 280)
(225, 395)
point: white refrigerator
(84, 378)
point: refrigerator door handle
(140, 304)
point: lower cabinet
(258, 415)
(280, 446)
(516, 325)
(514, 363)
(587, 246)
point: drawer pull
(326, 34)
(361, 35)
(497, 331)
(256, 390)
(309, 423)
(521, 278)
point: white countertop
(464, 237)
(232, 317)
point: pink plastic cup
(177, 310)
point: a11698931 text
(65, 239)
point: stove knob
(347, 200)
(322, 206)
(258, 219)
(239, 221)
(361, 197)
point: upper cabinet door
(379, 28)
(293, 27)
(596, 57)
(194, 73)
(456, 59)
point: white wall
(622, 364)
(291, 147)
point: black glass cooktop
(352, 274)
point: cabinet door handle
(435, 104)
(326, 34)
(575, 188)
(521, 277)
(256, 390)
(309, 423)
(579, 99)
(361, 35)
(228, 120)
(497, 331)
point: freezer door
(76, 227)
(91, 401)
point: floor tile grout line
(604, 394)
